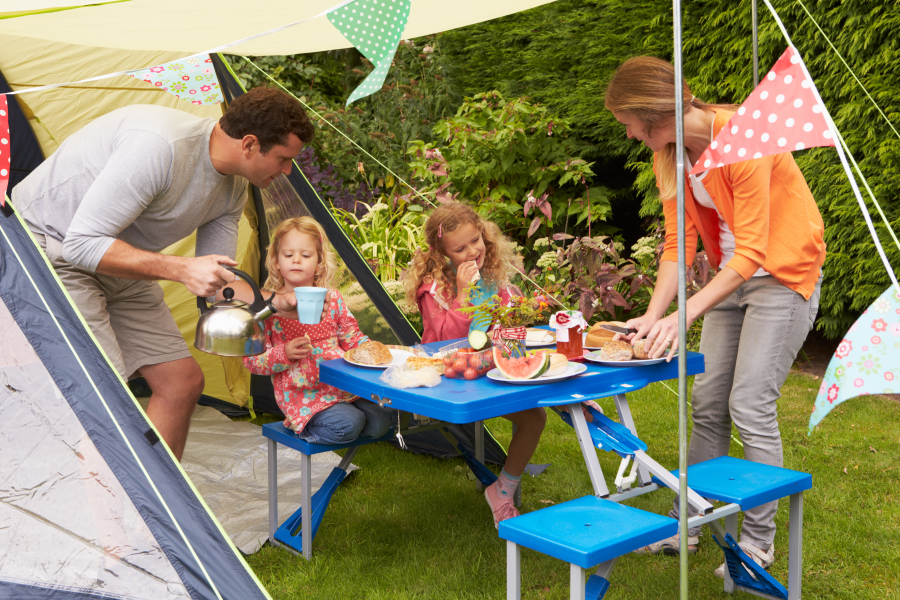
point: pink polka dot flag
(781, 115)
(5, 157)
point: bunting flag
(375, 28)
(5, 156)
(193, 79)
(781, 115)
(868, 359)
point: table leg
(479, 450)
(795, 547)
(306, 498)
(517, 497)
(588, 451)
(731, 523)
(513, 571)
(625, 418)
(273, 490)
(576, 582)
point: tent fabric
(190, 26)
(92, 502)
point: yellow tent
(49, 42)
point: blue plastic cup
(310, 301)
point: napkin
(538, 336)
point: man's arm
(202, 275)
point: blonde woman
(761, 228)
(300, 256)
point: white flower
(547, 260)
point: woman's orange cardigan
(769, 208)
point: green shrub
(563, 53)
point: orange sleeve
(670, 211)
(750, 183)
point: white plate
(399, 358)
(572, 370)
(595, 357)
(541, 344)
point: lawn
(408, 526)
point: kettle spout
(266, 312)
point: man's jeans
(344, 422)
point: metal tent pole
(682, 300)
(755, 44)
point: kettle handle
(259, 303)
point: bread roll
(597, 336)
(617, 350)
(420, 362)
(639, 352)
(369, 353)
(558, 364)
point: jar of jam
(569, 325)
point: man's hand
(205, 275)
(297, 348)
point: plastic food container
(462, 362)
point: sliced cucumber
(478, 340)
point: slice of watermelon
(526, 367)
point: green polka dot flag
(375, 27)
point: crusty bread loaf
(639, 352)
(617, 350)
(369, 353)
(597, 336)
(422, 362)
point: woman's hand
(464, 276)
(663, 337)
(298, 348)
(285, 302)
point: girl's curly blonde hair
(327, 266)
(433, 264)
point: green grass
(407, 526)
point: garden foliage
(562, 55)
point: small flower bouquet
(512, 318)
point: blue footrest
(740, 566)
(743, 482)
(595, 588)
(290, 532)
(587, 531)
(283, 435)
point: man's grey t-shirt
(141, 174)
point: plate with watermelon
(536, 367)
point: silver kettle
(231, 327)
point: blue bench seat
(583, 532)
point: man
(128, 185)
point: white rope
(839, 147)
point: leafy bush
(416, 94)
(562, 55)
(509, 158)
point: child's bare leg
(531, 424)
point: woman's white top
(726, 237)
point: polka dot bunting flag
(5, 156)
(375, 27)
(781, 115)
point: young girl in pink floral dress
(300, 256)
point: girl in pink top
(462, 249)
(300, 256)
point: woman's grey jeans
(749, 343)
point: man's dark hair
(269, 114)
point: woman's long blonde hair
(644, 86)
(434, 264)
(327, 264)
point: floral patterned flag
(868, 359)
(781, 115)
(5, 157)
(193, 79)
(375, 27)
